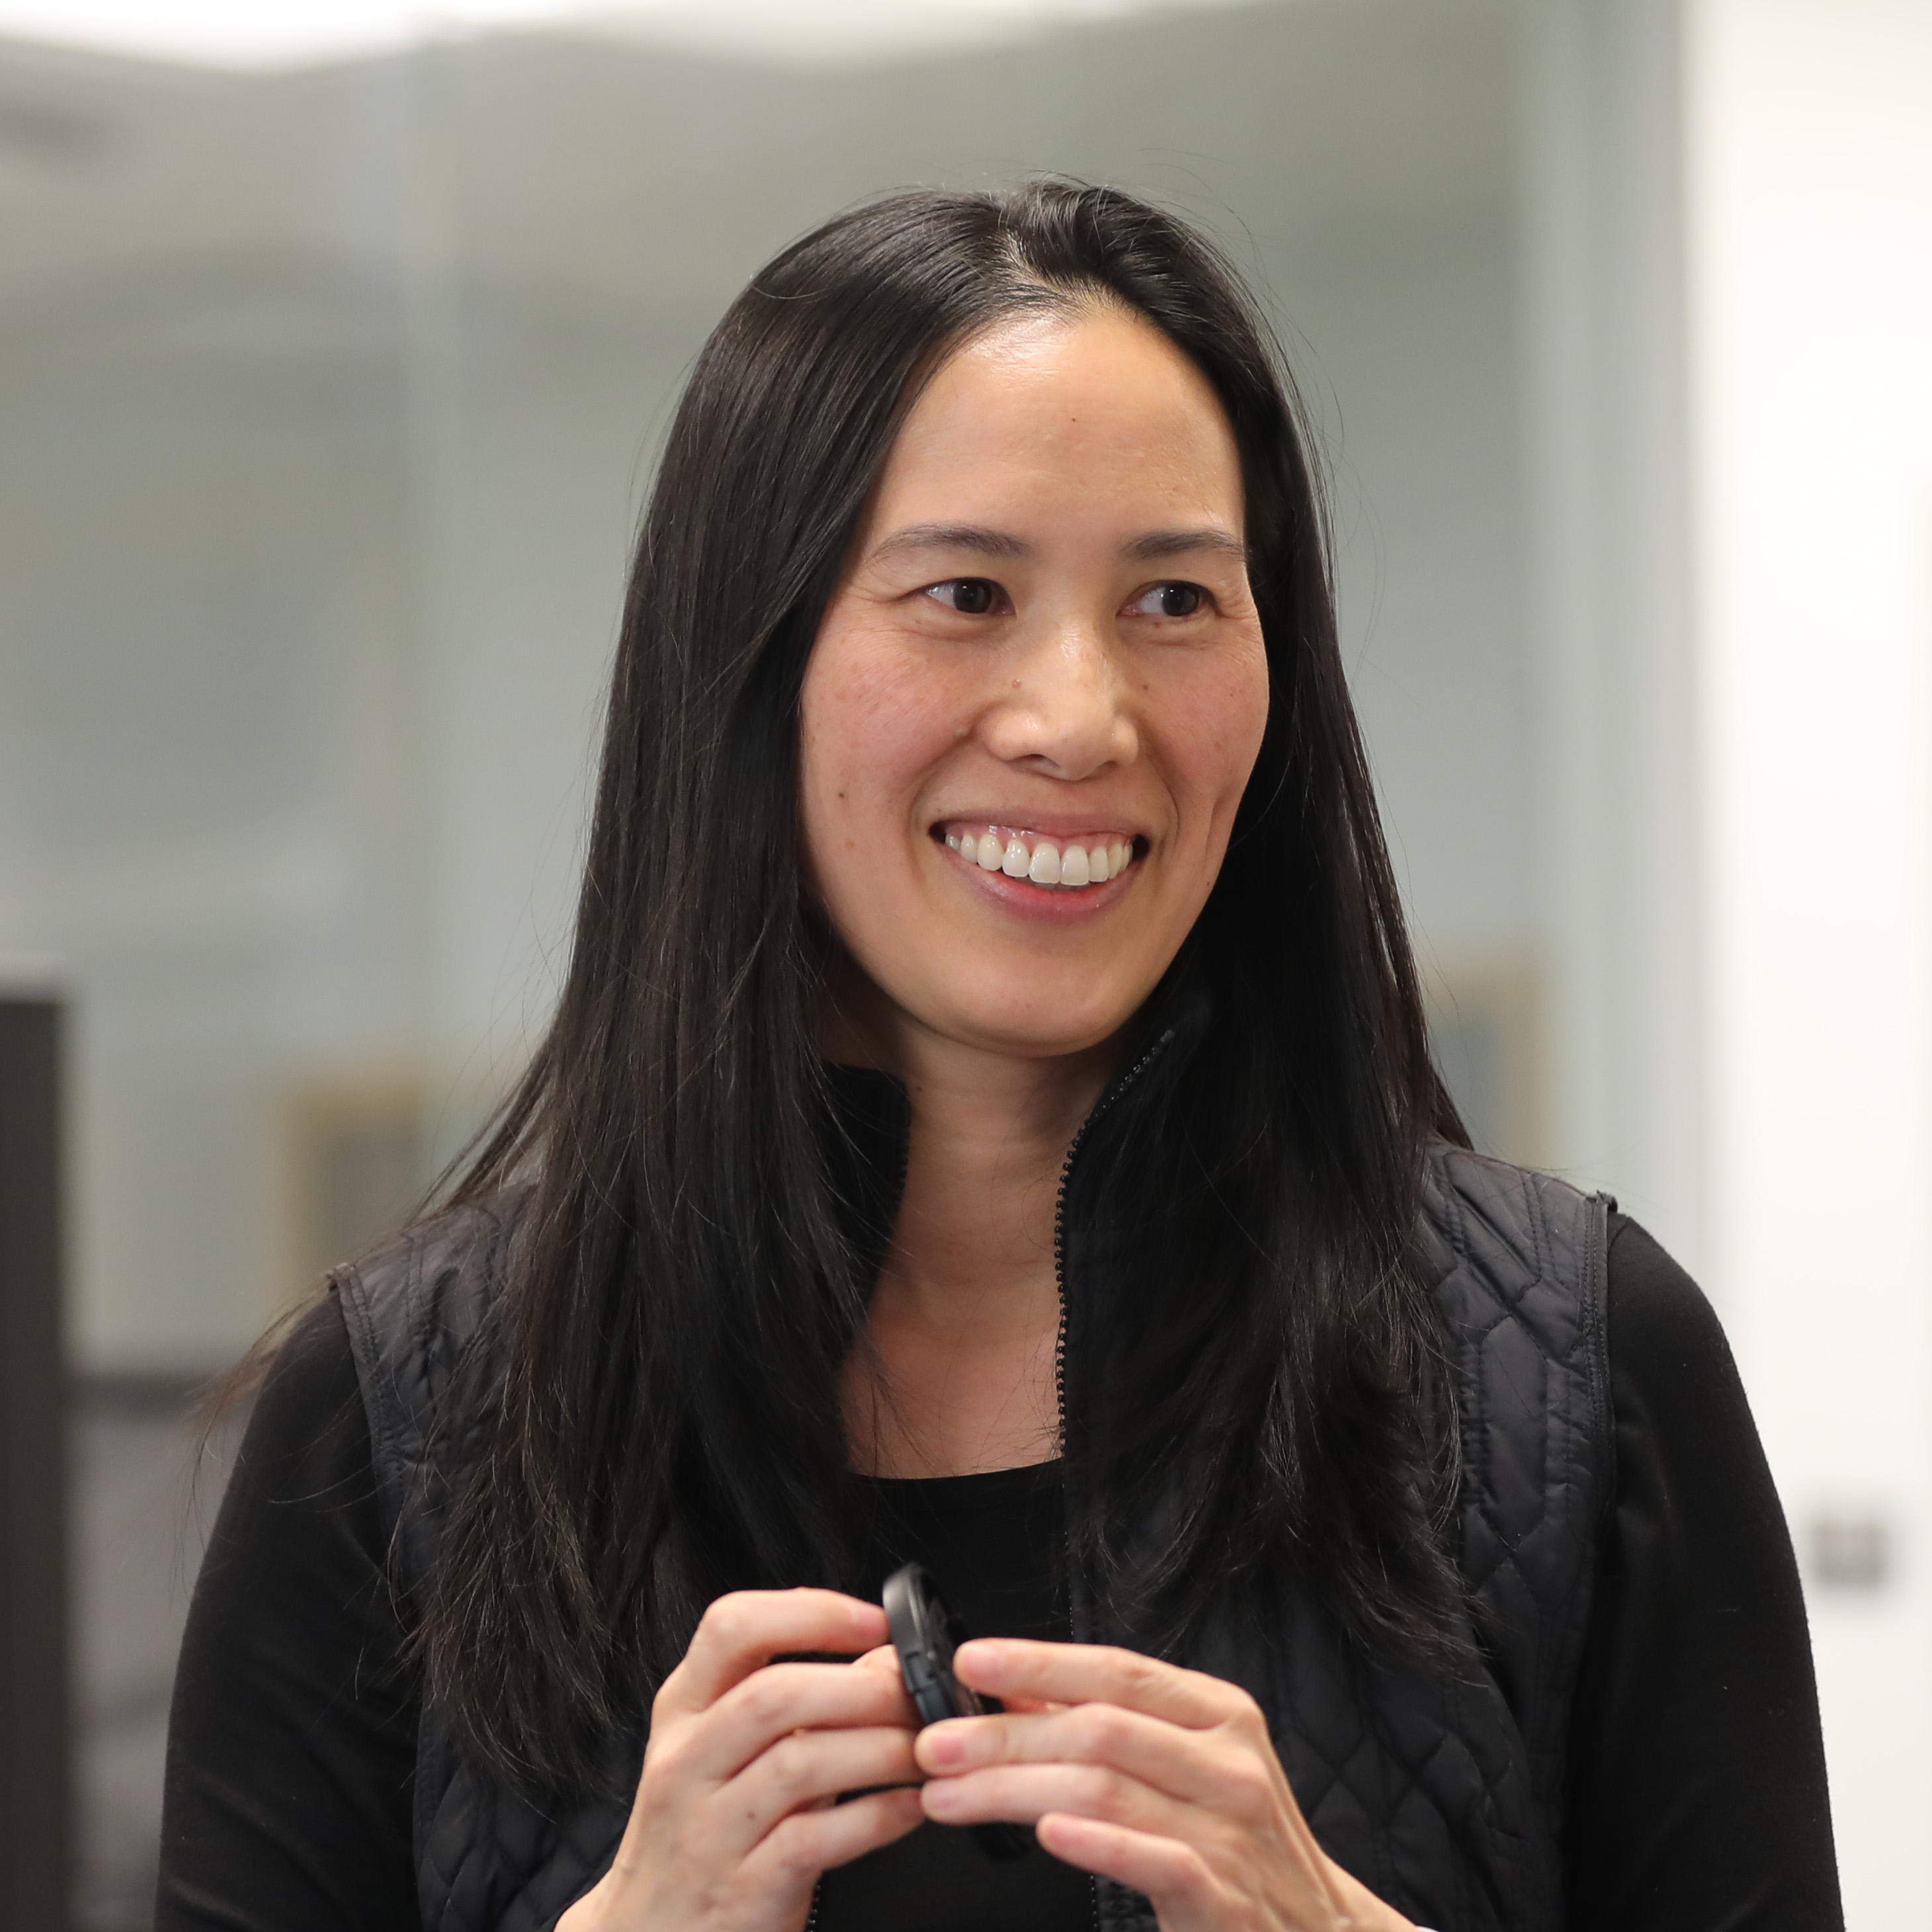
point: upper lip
(1048, 824)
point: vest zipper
(1106, 1101)
(1104, 1105)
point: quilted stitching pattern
(1444, 1797)
(485, 1858)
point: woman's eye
(971, 596)
(1169, 600)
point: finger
(781, 1698)
(1086, 1673)
(803, 1770)
(1021, 1794)
(886, 1659)
(742, 1631)
(1175, 1876)
(799, 1848)
(1201, 1767)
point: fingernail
(942, 1748)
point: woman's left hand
(1162, 1778)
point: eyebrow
(1158, 544)
(952, 536)
(984, 542)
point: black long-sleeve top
(1695, 1798)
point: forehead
(1099, 404)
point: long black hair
(658, 1384)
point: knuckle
(764, 1697)
(1102, 1729)
(732, 1616)
(1252, 1790)
(1245, 1715)
(1193, 1878)
(777, 1762)
(663, 1771)
(789, 1764)
(660, 1769)
(789, 1845)
(1105, 1791)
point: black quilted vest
(1445, 1797)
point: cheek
(870, 726)
(1215, 721)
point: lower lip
(1050, 905)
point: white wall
(1608, 550)
(1810, 132)
(199, 742)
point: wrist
(587, 1915)
(1362, 1911)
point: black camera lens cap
(926, 1633)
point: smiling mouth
(1089, 859)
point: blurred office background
(335, 344)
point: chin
(1028, 1032)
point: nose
(1064, 711)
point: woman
(989, 1121)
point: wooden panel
(353, 1166)
(1485, 1026)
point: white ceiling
(150, 197)
(257, 34)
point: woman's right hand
(734, 1819)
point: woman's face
(1038, 690)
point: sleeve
(291, 1738)
(1697, 1798)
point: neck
(974, 1238)
(959, 1373)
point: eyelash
(1193, 590)
(995, 595)
(976, 583)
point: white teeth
(1044, 863)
